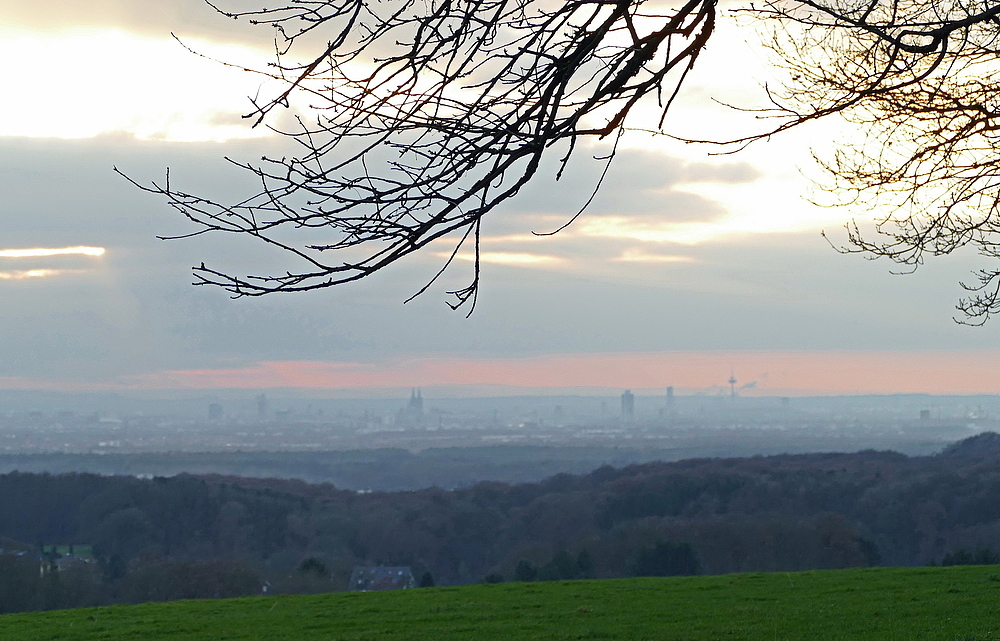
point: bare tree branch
(426, 116)
(919, 80)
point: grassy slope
(952, 604)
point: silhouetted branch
(425, 117)
(918, 79)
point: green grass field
(911, 604)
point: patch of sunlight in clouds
(37, 252)
(508, 258)
(24, 274)
(635, 255)
(734, 70)
(771, 206)
(46, 252)
(87, 82)
(627, 228)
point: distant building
(215, 412)
(414, 410)
(628, 405)
(416, 406)
(59, 558)
(263, 407)
(381, 577)
(669, 412)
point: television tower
(732, 384)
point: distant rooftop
(381, 577)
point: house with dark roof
(381, 577)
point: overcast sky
(686, 266)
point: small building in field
(381, 577)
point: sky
(687, 267)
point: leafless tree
(919, 79)
(425, 116)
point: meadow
(884, 604)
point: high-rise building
(263, 407)
(628, 405)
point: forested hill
(712, 515)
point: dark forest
(211, 536)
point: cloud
(156, 18)
(638, 255)
(137, 312)
(645, 169)
(33, 252)
(122, 82)
(22, 274)
(649, 230)
(732, 173)
(639, 184)
(523, 259)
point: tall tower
(263, 407)
(628, 405)
(732, 384)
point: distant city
(724, 424)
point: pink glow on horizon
(787, 372)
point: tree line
(186, 536)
